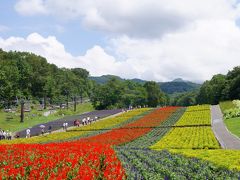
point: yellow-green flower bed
(198, 107)
(188, 138)
(76, 132)
(195, 115)
(224, 158)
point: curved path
(57, 124)
(225, 138)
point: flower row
(134, 130)
(188, 138)
(196, 115)
(224, 158)
(156, 133)
(149, 164)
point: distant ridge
(178, 85)
(178, 80)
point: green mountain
(176, 86)
(103, 79)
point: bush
(236, 103)
(232, 113)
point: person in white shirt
(28, 131)
(83, 121)
(66, 126)
(4, 135)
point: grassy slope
(233, 124)
(30, 118)
(226, 105)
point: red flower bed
(59, 161)
(133, 130)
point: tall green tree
(155, 96)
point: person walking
(42, 131)
(4, 135)
(1, 134)
(66, 126)
(9, 135)
(28, 133)
(50, 129)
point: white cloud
(150, 39)
(96, 60)
(30, 7)
(136, 18)
(194, 54)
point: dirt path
(225, 138)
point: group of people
(5, 135)
(85, 121)
(28, 131)
(65, 126)
(88, 120)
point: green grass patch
(11, 121)
(233, 125)
(226, 105)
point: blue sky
(149, 39)
(76, 38)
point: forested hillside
(30, 77)
(221, 87)
(27, 76)
(171, 87)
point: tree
(155, 96)
(211, 91)
(109, 95)
(233, 80)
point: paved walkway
(225, 138)
(57, 124)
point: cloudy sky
(150, 39)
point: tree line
(28, 76)
(116, 93)
(219, 88)
(25, 75)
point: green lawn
(233, 125)
(226, 105)
(11, 121)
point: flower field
(83, 130)
(128, 146)
(59, 161)
(147, 164)
(132, 131)
(200, 117)
(156, 133)
(192, 131)
(188, 138)
(224, 158)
